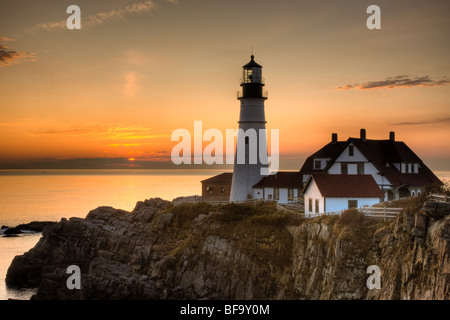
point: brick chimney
(392, 136)
(363, 134)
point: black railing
(264, 94)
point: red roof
(345, 185)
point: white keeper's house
(359, 172)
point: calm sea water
(27, 196)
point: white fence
(373, 212)
(296, 200)
(190, 199)
(437, 197)
(381, 212)
(198, 199)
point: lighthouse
(251, 149)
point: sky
(110, 94)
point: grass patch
(353, 226)
(257, 230)
(238, 212)
(351, 218)
(185, 213)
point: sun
(130, 159)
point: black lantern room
(252, 82)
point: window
(276, 194)
(351, 151)
(344, 168)
(317, 206)
(290, 194)
(246, 140)
(256, 76)
(222, 189)
(352, 204)
(408, 168)
(317, 164)
(248, 75)
(360, 168)
(310, 208)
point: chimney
(363, 134)
(334, 137)
(392, 136)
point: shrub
(351, 218)
(186, 212)
(239, 211)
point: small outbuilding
(334, 192)
(283, 187)
(217, 188)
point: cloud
(9, 57)
(109, 131)
(400, 81)
(415, 123)
(5, 39)
(131, 85)
(100, 18)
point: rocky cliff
(161, 251)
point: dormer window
(317, 164)
(351, 150)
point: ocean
(30, 195)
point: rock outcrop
(155, 252)
(160, 251)
(35, 226)
(413, 253)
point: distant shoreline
(441, 174)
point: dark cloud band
(9, 57)
(415, 123)
(400, 81)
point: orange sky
(138, 70)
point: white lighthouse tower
(248, 172)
